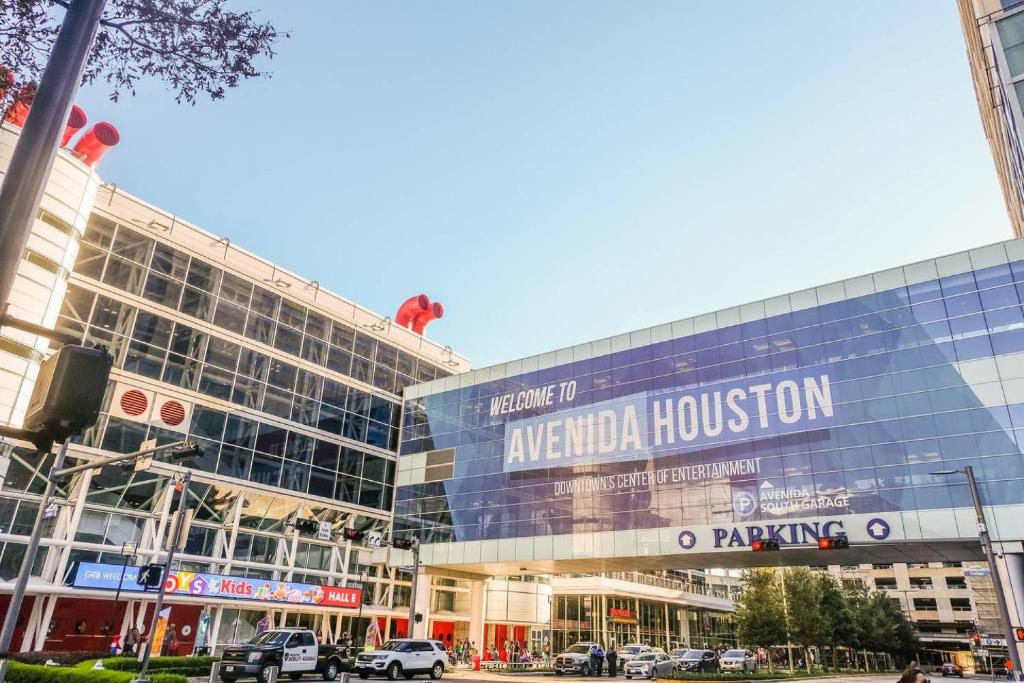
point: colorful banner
(107, 576)
(161, 630)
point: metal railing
(713, 591)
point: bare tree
(196, 47)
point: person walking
(613, 661)
(131, 641)
(170, 644)
(1009, 669)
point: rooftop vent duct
(95, 143)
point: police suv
(404, 657)
(294, 651)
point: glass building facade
(293, 394)
(841, 400)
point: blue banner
(656, 423)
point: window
(960, 604)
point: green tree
(901, 638)
(196, 47)
(836, 615)
(879, 624)
(760, 618)
(803, 597)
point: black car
(699, 661)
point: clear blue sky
(559, 171)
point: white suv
(404, 657)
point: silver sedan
(650, 665)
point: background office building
(293, 392)
(994, 36)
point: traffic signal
(68, 392)
(762, 545)
(418, 618)
(307, 526)
(976, 638)
(1019, 632)
(834, 543)
(189, 449)
(352, 534)
(150, 575)
(403, 543)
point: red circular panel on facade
(172, 413)
(134, 402)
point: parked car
(575, 660)
(678, 654)
(294, 651)
(700, 661)
(628, 652)
(738, 660)
(404, 657)
(951, 669)
(650, 665)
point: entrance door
(445, 632)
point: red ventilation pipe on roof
(17, 113)
(435, 311)
(76, 122)
(411, 308)
(95, 143)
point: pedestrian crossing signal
(762, 545)
(150, 575)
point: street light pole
(127, 553)
(171, 547)
(415, 576)
(14, 608)
(986, 544)
(58, 472)
(36, 148)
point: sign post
(127, 552)
(175, 533)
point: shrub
(30, 673)
(64, 658)
(189, 666)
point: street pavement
(486, 677)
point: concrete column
(637, 612)
(214, 633)
(477, 611)
(684, 627)
(423, 598)
(668, 630)
(33, 623)
(603, 616)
